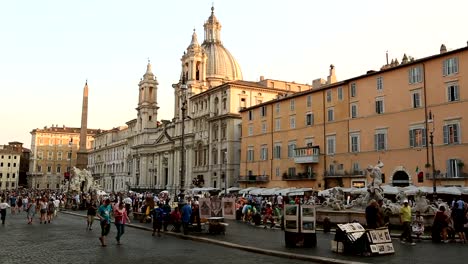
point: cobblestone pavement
(66, 240)
(423, 252)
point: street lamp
(70, 144)
(183, 88)
(431, 141)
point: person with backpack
(3, 209)
(31, 210)
(158, 215)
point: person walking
(43, 210)
(186, 214)
(120, 219)
(104, 212)
(31, 211)
(3, 209)
(405, 219)
(91, 213)
(50, 210)
(158, 215)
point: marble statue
(374, 188)
(79, 177)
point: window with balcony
(450, 66)
(292, 172)
(453, 168)
(59, 169)
(49, 169)
(415, 75)
(452, 133)
(452, 92)
(417, 137)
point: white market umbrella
(247, 190)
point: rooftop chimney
(262, 78)
(443, 49)
(332, 77)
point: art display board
(229, 208)
(353, 231)
(308, 219)
(291, 216)
(205, 208)
(380, 241)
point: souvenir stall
(353, 239)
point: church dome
(220, 63)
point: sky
(49, 48)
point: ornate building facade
(410, 115)
(206, 123)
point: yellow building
(53, 153)
(328, 136)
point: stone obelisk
(82, 154)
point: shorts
(105, 228)
(43, 211)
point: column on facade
(188, 164)
(144, 170)
(170, 170)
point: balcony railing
(307, 154)
(343, 173)
(299, 177)
(446, 176)
(254, 178)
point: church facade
(200, 146)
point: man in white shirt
(279, 200)
(3, 209)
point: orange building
(328, 136)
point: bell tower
(147, 100)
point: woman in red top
(176, 219)
(120, 219)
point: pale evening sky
(49, 48)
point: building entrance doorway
(400, 179)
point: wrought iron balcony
(307, 154)
(299, 177)
(446, 176)
(344, 173)
(254, 178)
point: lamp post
(431, 141)
(183, 88)
(70, 154)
